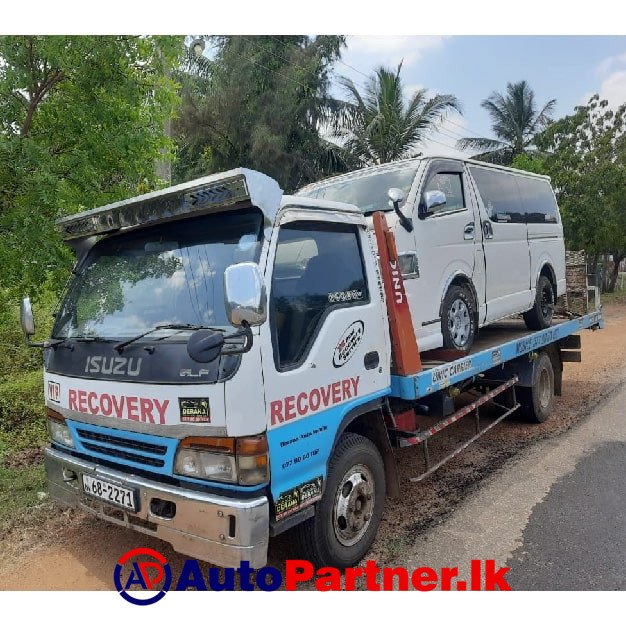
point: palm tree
(515, 121)
(377, 126)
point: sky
(568, 68)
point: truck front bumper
(221, 530)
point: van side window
(538, 200)
(500, 194)
(317, 268)
(452, 185)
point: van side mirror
(431, 200)
(26, 317)
(244, 295)
(396, 197)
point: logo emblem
(348, 343)
(194, 410)
(54, 391)
(142, 569)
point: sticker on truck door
(348, 343)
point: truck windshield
(366, 191)
(164, 274)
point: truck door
(505, 242)
(325, 350)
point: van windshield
(368, 192)
(165, 274)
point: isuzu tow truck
(229, 362)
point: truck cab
(214, 347)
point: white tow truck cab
(229, 362)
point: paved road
(556, 516)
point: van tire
(458, 318)
(327, 538)
(537, 401)
(540, 316)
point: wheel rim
(545, 389)
(547, 302)
(459, 323)
(354, 504)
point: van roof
(415, 161)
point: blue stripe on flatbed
(442, 376)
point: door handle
(487, 230)
(468, 231)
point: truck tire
(348, 515)
(540, 316)
(537, 401)
(458, 318)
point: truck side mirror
(431, 200)
(26, 317)
(244, 295)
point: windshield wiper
(120, 346)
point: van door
(445, 242)
(505, 242)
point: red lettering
(82, 401)
(301, 404)
(325, 394)
(276, 411)
(403, 578)
(352, 574)
(146, 410)
(290, 408)
(131, 407)
(448, 574)
(314, 400)
(424, 579)
(355, 385)
(345, 388)
(118, 405)
(161, 408)
(106, 406)
(72, 400)
(371, 572)
(336, 387)
(495, 578)
(296, 570)
(93, 406)
(328, 579)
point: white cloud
(390, 50)
(442, 142)
(613, 86)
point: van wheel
(348, 515)
(458, 318)
(540, 316)
(537, 401)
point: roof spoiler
(195, 197)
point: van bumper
(221, 530)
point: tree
(260, 103)
(585, 155)
(515, 120)
(378, 126)
(81, 124)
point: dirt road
(71, 551)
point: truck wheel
(349, 513)
(540, 316)
(537, 401)
(458, 318)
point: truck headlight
(58, 429)
(240, 460)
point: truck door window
(317, 268)
(452, 185)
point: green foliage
(586, 159)
(261, 104)
(377, 126)
(515, 120)
(21, 400)
(530, 163)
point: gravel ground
(72, 551)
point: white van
(478, 242)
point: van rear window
(538, 200)
(500, 195)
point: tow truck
(229, 363)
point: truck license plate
(109, 492)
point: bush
(21, 400)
